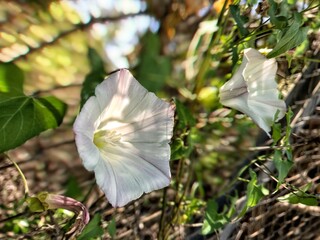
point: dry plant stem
(298, 115)
(266, 172)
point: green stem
(26, 188)
(200, 79)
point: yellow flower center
(104, 138)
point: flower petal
(253, 90)
(85, 122)
(84, 128)
(124, 175)
(131, 128)
(157, 125)
(235, 86)
(260, 73)
(88, 151)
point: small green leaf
(212, 219)
(178, 149)
(185, 118)
(11, 79)
(73, 189)
(283, 166)
(276, 132)
(112, 228)
(95, 60)
(35, 205)
(255, 193)
(293, 37)
(289, 116)
(308, 200)
(153, 69)
(279, 21)
(240, 20)
(96, 76)
(23, 117)
(279, 14)
(92, 229)
(300, 196)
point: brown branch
(80, 26)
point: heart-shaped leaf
(23, 117)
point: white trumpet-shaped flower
(253, 90)
(122, 134)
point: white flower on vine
(122, 134)
(253, 90)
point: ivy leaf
(92, 229)
(96, 76)
(255, 193)
(23, 117)
(11, 79)
(293, 37)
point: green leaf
(212, 219)
(279, 14)
(112, 228)
(35, 205)
(185, 118)
(293, 37)
(92, 229)
(283, 166)
(73, 189)
(23, 117)
(11, 79)
(300, 196)
(96, 62)
(96, 76)
(279, 21)
(240, 20)
(289, 116)
(153, 69)
(276, 132)
(178, 149)
(255, 193)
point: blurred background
(181, 50)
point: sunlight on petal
(253, 90)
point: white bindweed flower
(123, 134)
(253, 90)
